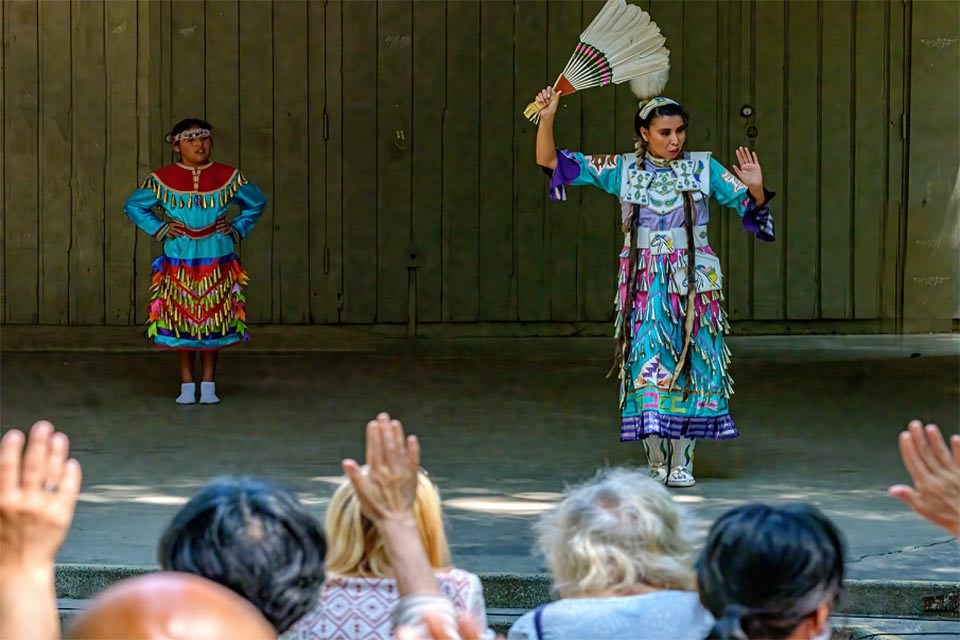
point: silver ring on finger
(49, 487)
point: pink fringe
(706, 305)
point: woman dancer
(674, 385)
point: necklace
(658, 162)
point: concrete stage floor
(504, 424)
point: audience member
(621, 555)
(360, 590)
(254, 538)
(772, 572)
(386, 488)
(170, 606)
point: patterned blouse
(360, 608)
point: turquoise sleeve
(727, 189)
(577, 170)
(139, 208)
(252, 202)
(601, 171)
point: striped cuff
(162, 232)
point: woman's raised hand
(749, 169)
(551, 100)
(387, 486)
(934, 467)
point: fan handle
(562, 86)
(532, 112)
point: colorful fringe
(174, 199)
(199, 300)
(652, 403)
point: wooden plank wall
(825, 80)
(21, 127)
(933, 222)
(400, 173)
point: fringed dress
(665, 389)
(197, 299)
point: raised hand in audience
(935, 471)
(38, 493)
(387, 489)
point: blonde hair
(619, 530)
(354, 546)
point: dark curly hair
(254, 538)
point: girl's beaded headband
(191, 134)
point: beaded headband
(191, 134)
(659, 101)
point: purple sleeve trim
(566, 172)
(757, 220)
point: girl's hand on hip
(175, 230)
(224, 228)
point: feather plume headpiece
(621, 44)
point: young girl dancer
(197, 302)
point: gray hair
(614, 532)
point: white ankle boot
(681, 463)
(208, 393)
(655, 448)
(188, 393)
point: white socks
(208, 393)
(188, 393)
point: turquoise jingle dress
(197, 299)
(656, 397)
